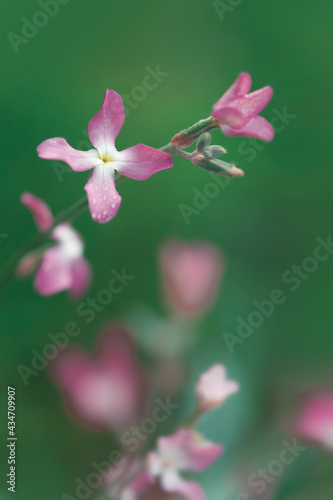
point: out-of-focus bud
(28, 264)
(186, 137)
(214, 388)
(215, 166)
(203, 142)
(191, 276)
(314, 424)
(41, 212)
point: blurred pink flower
(138, 162)
(314, 423)
(63, 266)
(214, 388)
(185, 450)
(191, 276)
(109, 391)
(40, 210)
(237, 111)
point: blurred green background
(264, 223)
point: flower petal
(140, 162)
(251, 104)
(240, 87)
(173, 483)
(103, 198)
(185, 450)
(40, 210)
(81, 277)
(54, 274)
(230, 116)
(258, 127)
(59, 149)
(105, 126)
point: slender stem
(7, 273)
(169, 148)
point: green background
(264, 223)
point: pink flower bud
(40, 211)
(191, 276)
(214, 388)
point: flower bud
(216, 166)
(186, 137)
(214, 388)
(203, 142)
(215, 151)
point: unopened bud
(28, 264)
(217, 167)
(203, 142)
(215, 151)
(186, 137)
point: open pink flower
(314, 423)
(237, 111)
(108, 391)
(191, 276)
(40, 211)
(214, 388)
(61, 267)
(185, 450)
(138, 162)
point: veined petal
(59, 149)
(257, 127)
(140, 162)
(40, 211)
(173, 483)
(230, 116)
(105, 126)
(81, 277)
(250, 105)
(240, 87)
(54, 274)
(103, 198)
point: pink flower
(138, 162)
(108, 391)
(191, 276)
(214, 388)
(183, 451)
(61, 267)
(237, 111)
(314, 423)
(40, 210)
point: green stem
(7, 273)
